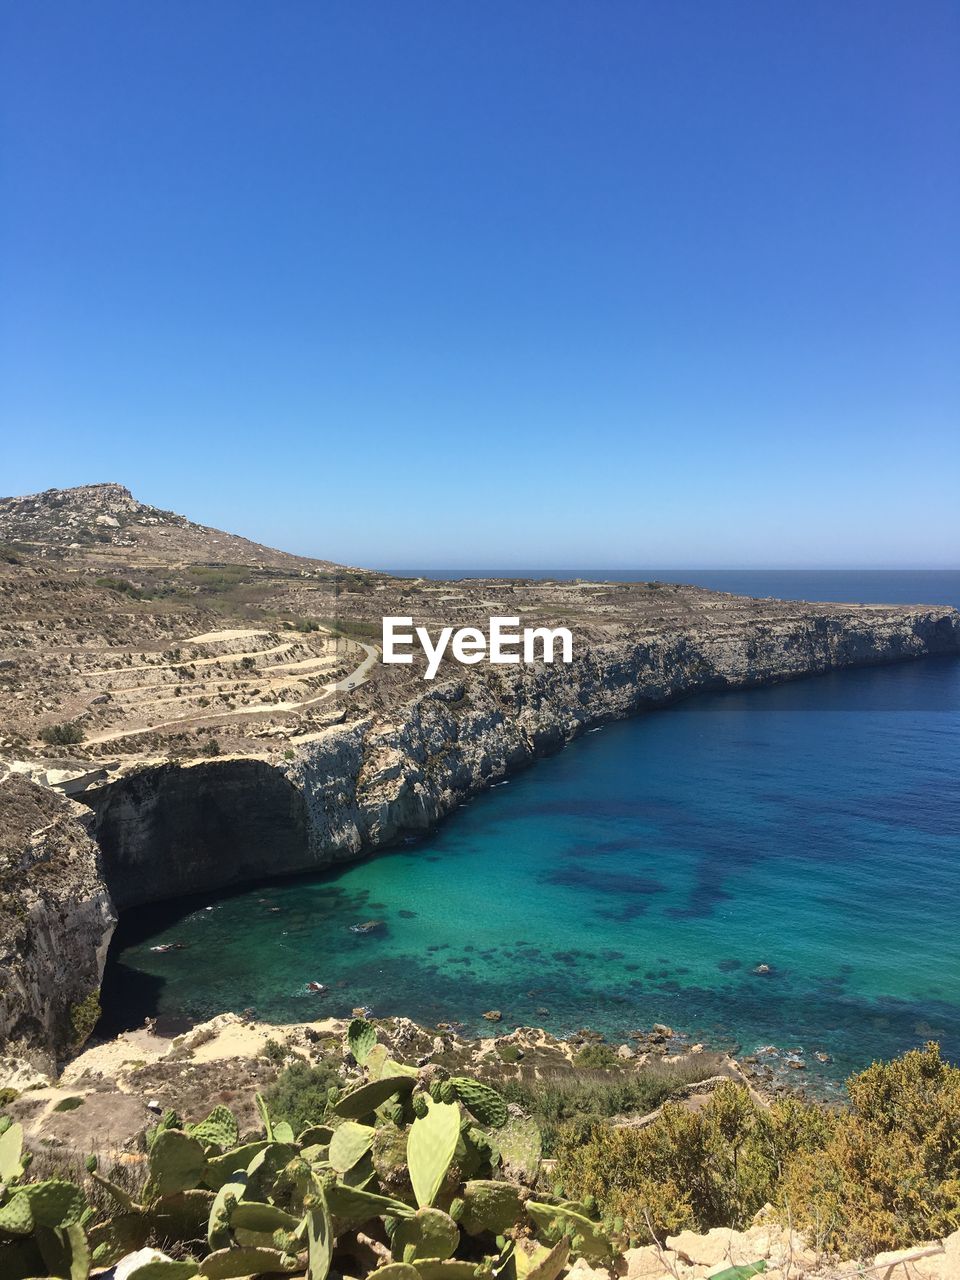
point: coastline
(163, 830)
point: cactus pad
(481, 1100)
(220, 1129)
(365, 1100)
(430, 1233)
(177, 1163)
(430, 1146)
(226, 1264)
(54, 1203)
(319, 1240)
(164, 1269)
(492, 1207)
(361, 1038)
(11, 1150)
(16, 1216)
(350, 1143)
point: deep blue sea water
(642, 875)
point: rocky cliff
(56, 921)
(168, 829)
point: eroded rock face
(369, 783)
(170, 829)
(56, 921)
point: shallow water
(640, 875)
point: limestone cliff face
(369, 783)
(171, 830)
(56, 921)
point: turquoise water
(640, 875)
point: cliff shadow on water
(172, 829)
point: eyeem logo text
(505, 645)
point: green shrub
(121, 586)
(299, 1093)
(700, 1169)
(572, 1102)
(61, 735)
(883, 1175)
(596, 1056)
(275, 1052)
(889, 1175)
(84, 1016)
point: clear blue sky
(447, 284)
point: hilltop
(105, 524)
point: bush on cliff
(708, 1168)
(570, 1103)
(61, 735)
(299, 1093)
(889, 1175)
(882, 1175)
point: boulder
(649, 1263)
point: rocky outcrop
(56, 921)
(357, 787)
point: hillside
(104, 524)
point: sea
(773, 871)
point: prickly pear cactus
(396, 1271)
(16, 1216)
(221, 1211)
(481, 1101)
(490, 1207)
(351, 1208)
(220, 1129)
(177, 1163)
(362, 1102)
(164, 1269)
(430, 1233)
(361, 1038)
(55, 1203)
(569, 1218)
(431, 1144)
(11, 1153)
(65, 1251)
(349, 1144)
(546, 1264)
(520, 1147)
(319, 1239)
(226, 1264)
(447, 1269)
